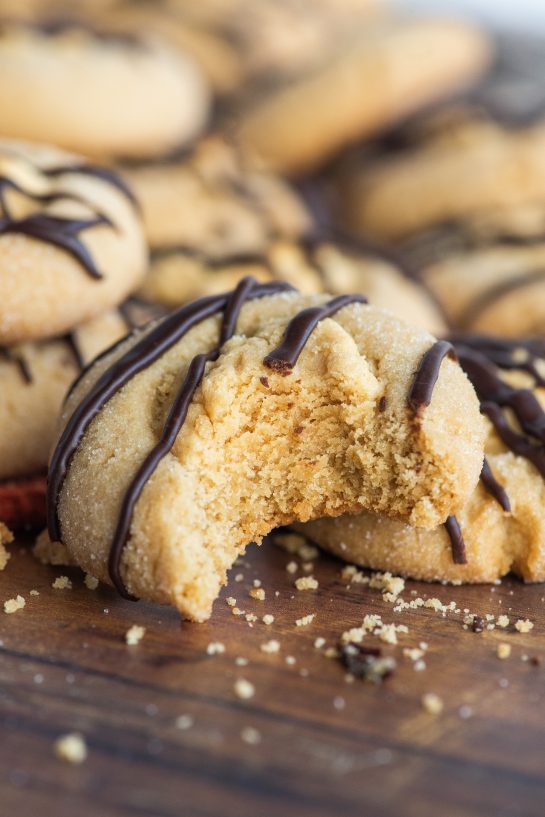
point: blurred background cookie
(71, 243)
(313, 265)
(97, 92)
(379, 74)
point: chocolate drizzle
(427, 373)
(458, 546)
(299, 329)
(62, 232)
(98, 172)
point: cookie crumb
(184, 722)
(432, 703)
(296, 544)
(270, 646)
(91, 583)
(502, 621)
(292, 567)
(366, 662)
(305, 620)
(231, 601)
(290, 659)
(244, 689)
(319, 643)
(134, 635)
(12, 605)
(503, 651)
(257, 593)
(250, 736)
(267, 619)
(71, 748)
(241, 662)
(215, 648)
(306, 583)
(62, 583)
(34, 592)
(524, 625)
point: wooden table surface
(308, 743)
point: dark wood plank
(64, 666)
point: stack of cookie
(276, 152)
(71, 250)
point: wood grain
(327, 746)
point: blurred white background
(520, 15)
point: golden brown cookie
(244, 411)
(207, 199)
(381, 74)
(34, 378)
(503, 522)
(66, 226)
(312, 265)
(96, 92)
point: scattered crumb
(502, 621)
(244, 689)
(184, 722)
(134, 635)
(413, 653)
(432, 703)
(270, 646)
(291, 567)
(339, 702)
(290, 659)
(267, 619)
(51, 553)
(296, 544)
(215, 648)
(62, 583)
(12, 605)
(250, 735)
(250, 618)
(367, 662)
(319, 643)
(71, 748)
(257, 593)
(331, 652)
(524, 625)
(91, 583)
(34, 593)
(232, 602)
(419, 666)
(239, 577)
(241, 662)
(236, 611)
(503, 651)
(302, 622)
(465, 712)
(306, 583)
(355, 634)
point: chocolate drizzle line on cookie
(427, 373)
(62, 232)
(152, 345)
(98, 172)
(299, 329)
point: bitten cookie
(381, 74)
(96, 92)
(248, 410)
(312, 265)
(503, 523)
(66, 227)
(207, 199)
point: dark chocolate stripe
(491, 484)
(18, 360)
(62, 232)
(458, 547)
(73, 345)
(512, 439)
(495, 293)
(98, 172)
(158, 340)
(427, 373)
(299, 329)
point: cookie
(186, 445)
(465, 169)
(312, 265)
(207, 198)
(66, 226)
(96, 92)
(380, 75)
(34, 378)
(503, 523)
